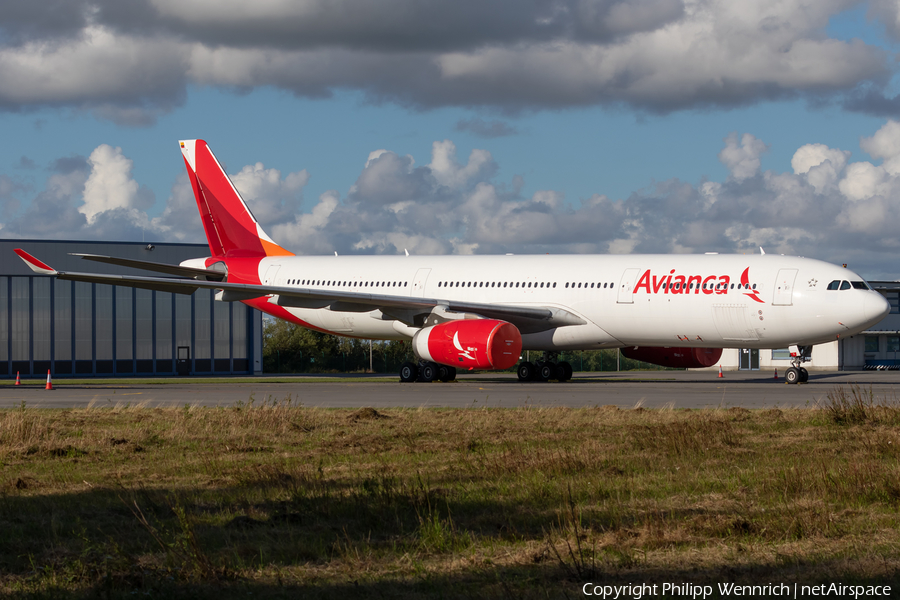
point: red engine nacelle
(679, 358)
(470, 344)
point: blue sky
(576, 126)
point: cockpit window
(860, 285)
(845, 285)
(834, 285)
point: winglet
(34, 264)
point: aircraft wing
(153, 266)
(528, 319)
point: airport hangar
(86, 329)
(76, 329)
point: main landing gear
(545, 369)
(796, 373)
(426, 371)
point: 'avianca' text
(683, 284)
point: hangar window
(893, 344)
(871, 343)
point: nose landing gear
(796, 373)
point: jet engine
(470, 344)
(679, 358)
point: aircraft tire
(525, 371)
(566, 371)
(428, 372)
(792, 375)
(408, 372)
(446, 373)
(545, 371)
(804, 375)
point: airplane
(481, 312)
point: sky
(464, 126)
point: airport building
(76, 329)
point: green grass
(278, 500)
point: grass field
(284, 501)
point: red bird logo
(745, 281)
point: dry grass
(275, 499)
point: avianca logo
(685, 284)
(745, 283)
(462, 352)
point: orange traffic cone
(49, 385)
(720, 371)
(17, 379)
(776, 373)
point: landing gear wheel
(792, 375)
(408, 372)
(804, 375)
(545, 371)
(525, 371)
(446, 373)
(566, 371)
(428, 372)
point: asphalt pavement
(657, 389)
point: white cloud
(447, 170)
(742, 159)
(272, 198)
(821, 165)
(110, 184)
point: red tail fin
(231, 229)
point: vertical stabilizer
(231, 229)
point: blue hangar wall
(87, 329)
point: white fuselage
(625, 300)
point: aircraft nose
(876, 307)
